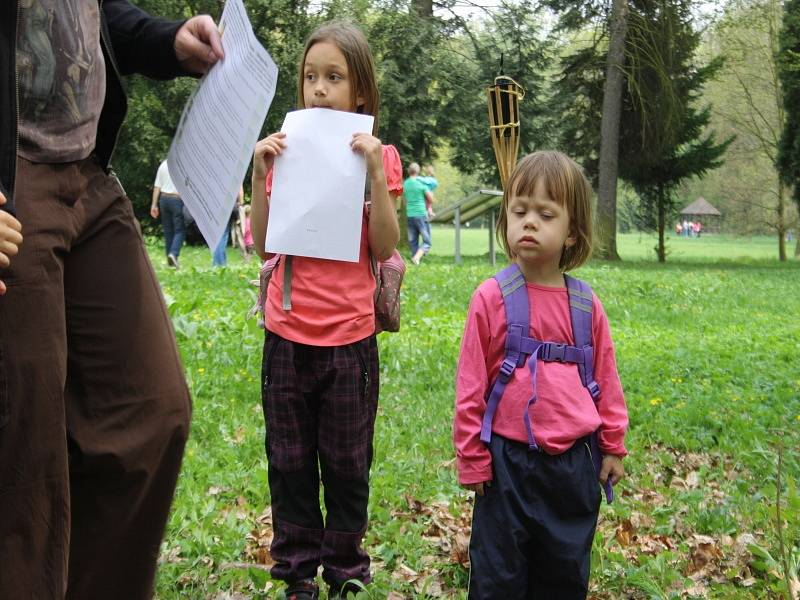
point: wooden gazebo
(702, 210)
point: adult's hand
(198, 44)
(10, 239)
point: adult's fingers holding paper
(198, 44)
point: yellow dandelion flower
(201, 370)
(655, 401)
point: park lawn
(708, 356)
(633, 246)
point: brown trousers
(94, 408)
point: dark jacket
(132, 42)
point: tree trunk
(609, 134)
(781, 221)
(662, 219)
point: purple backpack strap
(580, 309)
(515, 300)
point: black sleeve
(141, 43)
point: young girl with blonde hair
(535, 406)
(320, 366)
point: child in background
(537, 493)
(417, 197)
(247, 233)
(320, 366)
(429, 179)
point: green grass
(633, 246)
(708, 356)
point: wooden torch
(504, 98)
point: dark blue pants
(171, 208)
(532, 531)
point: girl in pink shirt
(537, 493)
(320, 366)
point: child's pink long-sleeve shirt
(564, 410)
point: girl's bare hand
(372, 149)
(611, 468)
(265, 153)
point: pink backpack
(388, 279)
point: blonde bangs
(566, 184)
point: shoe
(305, 589)
(172, 261)
(415, 260)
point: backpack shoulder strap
(515, 301)
(580, 310)
(517, 307)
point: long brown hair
(565, 184)
(360, 66)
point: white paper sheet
(220, 125)
(317, 198)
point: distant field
(634, 246)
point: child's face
(326, 79)
(538, 227)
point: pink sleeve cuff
(476, 475)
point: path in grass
(708, 358)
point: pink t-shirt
(332, 300)
(564, 410)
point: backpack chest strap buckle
(563, 353)
(552, 352)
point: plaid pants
(319, 407)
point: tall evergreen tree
(610, 22)
(408, 54)
(666, 138)
(663, 138)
